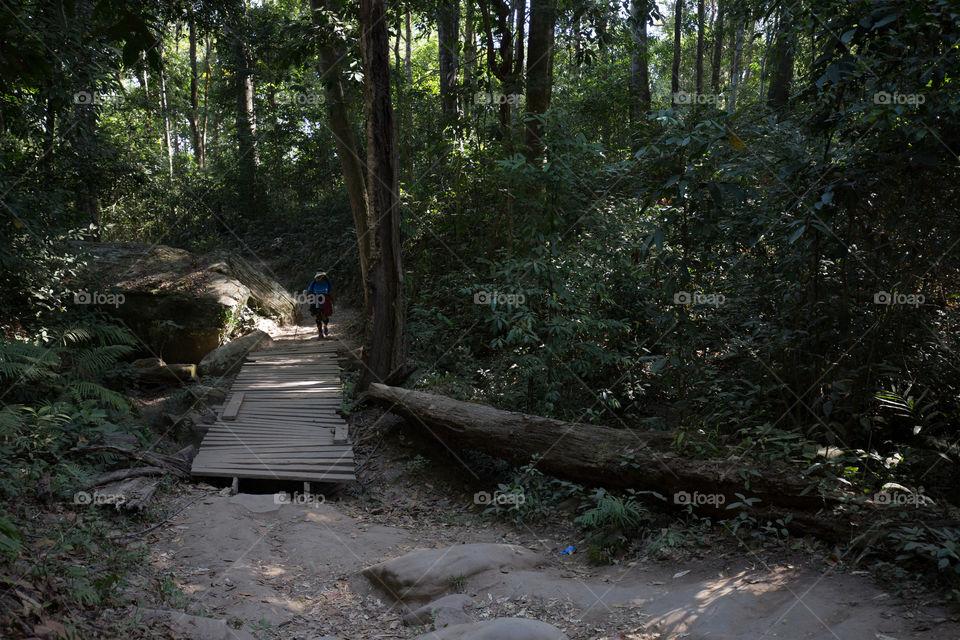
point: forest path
(273, 567)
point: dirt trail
(294, 566)
(290, 571)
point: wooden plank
(233, 407)
(316, 476)
(252, 439)
(250, 421)
(271, 450)
(255, 438)
(340, 436)
(280, 386)
(322, 450)
(290, 432)
(265, 457)
(288, 464)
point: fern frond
(80, 390)
(94, 361)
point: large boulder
(181, 305)
(425, 575)
(445, 612)
(228, 358)
(499, 629)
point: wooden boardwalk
(280, 420)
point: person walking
(321, 302)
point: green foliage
(611, 521)
(930, 552)
(531, 496)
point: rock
(169, 373)
(499, 629)
(445, 612)
(196, 627)
(200, 395)
(425, 575)
(229, 357)
(178, 303)
(147, 363)
(266, 294)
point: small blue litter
(568, 550)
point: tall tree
(330, 55)
(248, 151)
(448, 34)
(783, 59)
(701, 14)
(165, 113)
(408, 53)
(677, 32)
(385, 347)
(639, 62)
(505, 59)
(543, 17)
(735, 65)
(469, 54)
(193, 115)
(717, 49)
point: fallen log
(124, 474)
(173, 464)
(130, 494)
(601, 456)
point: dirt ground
(290, 571)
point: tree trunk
(448, 32)
(782, 62)
(398, 65)
(735, 67)
(194, 113)
(675, 73)
(717, 50)
(330, 55)
(505, 59)
(408, 54)
(701, 14)
(164, 114)
(469, 57)
(595, 455)
(543, 16)
(385, 346)
(206, 96)
(639, 64)
(248, 152)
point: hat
(319, 274)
